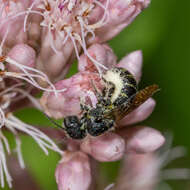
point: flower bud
(105, 148)
(121, 14)
(24, 55)
(139, 114)
(142, 139)
(133, 63)
(55, 64)
(103, 54)
(73, 172)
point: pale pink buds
(24, 55)
(103, 54)
(139, 114)
(142, 139)
(121, 14)
(73, 172)
(133, 63)
(105, 148)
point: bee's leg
(98, 94)
(83, 106)
(109, 90)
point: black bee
(119, 97)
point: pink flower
(109, 146)
(50, 35)
(121, 13)
(59, 30)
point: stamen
(5, 141)
(4, 166)
(3, 40)
(19, 152)
(1, 174)
(106, 13)
(18, 146)
(31, 98)
(41, 75)
(10, 88)
(110, 186)
(25, 78)
(89, 30)
(66, 38)
(24, 93)
(20, 14)
(52, 41)
(2, 8)
(27, 14)
(2, 118)
(40, 138)
(83, 44)
(74, 44)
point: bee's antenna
(52, 121)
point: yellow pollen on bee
(114, 78)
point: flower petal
(133, 63)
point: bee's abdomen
(124, 82)
(129, 81)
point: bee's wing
(139, 99)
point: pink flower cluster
(109, 146)
(40, 39)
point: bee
(119, 97)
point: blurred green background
(162, 32)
